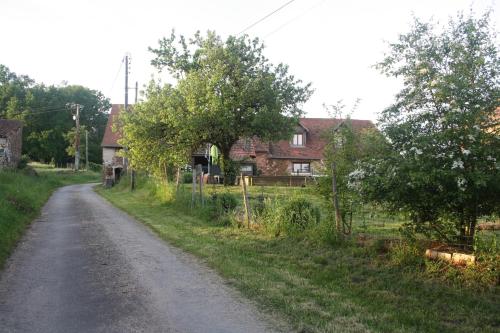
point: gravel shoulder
(86, 266)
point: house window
(298, 140)
(246, 168)
(2, 152)
(301, 168)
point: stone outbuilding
(114, 164)
(11, 143)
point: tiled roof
(315, 139)
(111, 138)
(316, 129)
(243, 149)
(7, 126)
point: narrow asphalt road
(85, 266)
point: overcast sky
(331, 43)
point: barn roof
(111, 137)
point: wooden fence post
(246, 201)
(201, 189)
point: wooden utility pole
(126, 82)
(132, 171)
(86, 150)
(77, 135)
(125, 161)
(136, 91)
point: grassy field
(22, 195)
(318, 286)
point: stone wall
(11, 149)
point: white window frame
(301, 170)
(246, 168)
(295, 140)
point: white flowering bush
(443, 129)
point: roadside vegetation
(293, 265)
(346, 254)
(24, 192)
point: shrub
(23, 162)
(187, 177)
(95, 167)
(406, 254)
(223, 203)
(291, 216)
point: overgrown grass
(23, 193)
(318, 286)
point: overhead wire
(265, 17)
(34, 113)
(295, 18)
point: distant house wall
(10, 144)
(108, 154)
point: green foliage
(153, 132)
(187, 177)
(224, 202)
(406, 255)
(226, 90)
(23, 162)
(317, 286)
(346, 147)
(46, 118)
(95, 167)
(289, 216)
(443, 168)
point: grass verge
(318, 286)
(22, 195)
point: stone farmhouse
(11, 140)
(303, 155)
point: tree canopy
(229, 90)
(443, 129)
(47, 120)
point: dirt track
(85, 266)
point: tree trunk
(227, 166)
(178, 179)
(336, 206)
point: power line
(265, 17)
(295, 18)
(116, 76)
(34, 112)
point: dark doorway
(118, 174)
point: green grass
(22, 195)
(315, 285)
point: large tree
(230, 90)
(46, 117)
(443, 129)
(154, 131)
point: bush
(23, 162)
(187, 177)
(291, 216)
(223, 203)
(406, 254)
(95, 167)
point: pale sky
(332, 44)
